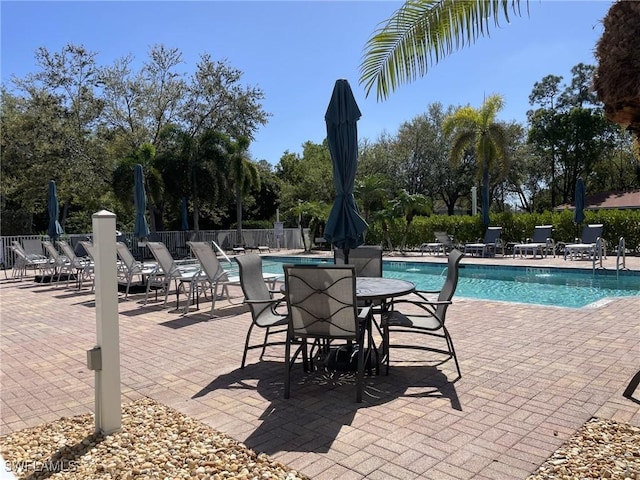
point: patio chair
(25, 261)
(444, 243)
(83, 266)
(366, 258)
(423, 315)
(489, 246)
(322, 306)
(541, 242)
(90, 249)
(167, 271)
(591, 243)
(61, 264)
(211, 273)
(32, 246)
(129, 268)
(261, 302)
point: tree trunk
(239, 239)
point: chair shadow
(631, 388)
(322, 398)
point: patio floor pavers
(532, 376)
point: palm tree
(420, 33)
(479, 129)
(243, 175)
(409, 205)
(371, 193)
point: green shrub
(516, 227)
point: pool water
(559, 287)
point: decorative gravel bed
(600, 449)
(157, 442)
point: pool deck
(531, 376)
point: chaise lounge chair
(489, 247)
(444, 243)
(592, 244)
(541, 242)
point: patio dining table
(370, 290)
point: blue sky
(295, 50)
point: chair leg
(360, 374)
(264, 343)
(246, 346)
(214, 296)
(385, 348)
(452, 350)
(287, 378)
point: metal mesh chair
(262, 303)
(366, 258)
(422, 315)
(490, 245)
(322, 306)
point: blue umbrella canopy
(140, 228)
(54, 230)
(184, 215)
(579, 201)
(345, 226)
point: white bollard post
(108, 412)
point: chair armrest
(275, 301)
(364, 313)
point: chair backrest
(163, 257)
(125, 255)
(32, 246)
(366, 258)
(52, 252)
(67, 251)
(492, 234)
(450, 283)
(541, 233)
(443, 238)
(253, 285)
(591, 232)
(321, 300)
(89, 248)
(18, 248)
(208, 261)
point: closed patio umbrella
(140, 228)
(54, 230)
(345, 226)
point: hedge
(516, 227)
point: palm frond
(422, 32)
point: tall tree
(570, 131)
(243, 176)
(479, 128)
(63, 94)
(420, 33)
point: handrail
(597, 253)
(622, 252)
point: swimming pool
(562, 287)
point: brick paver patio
(531, 377)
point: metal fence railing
(176, 241)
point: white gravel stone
(155, 442)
